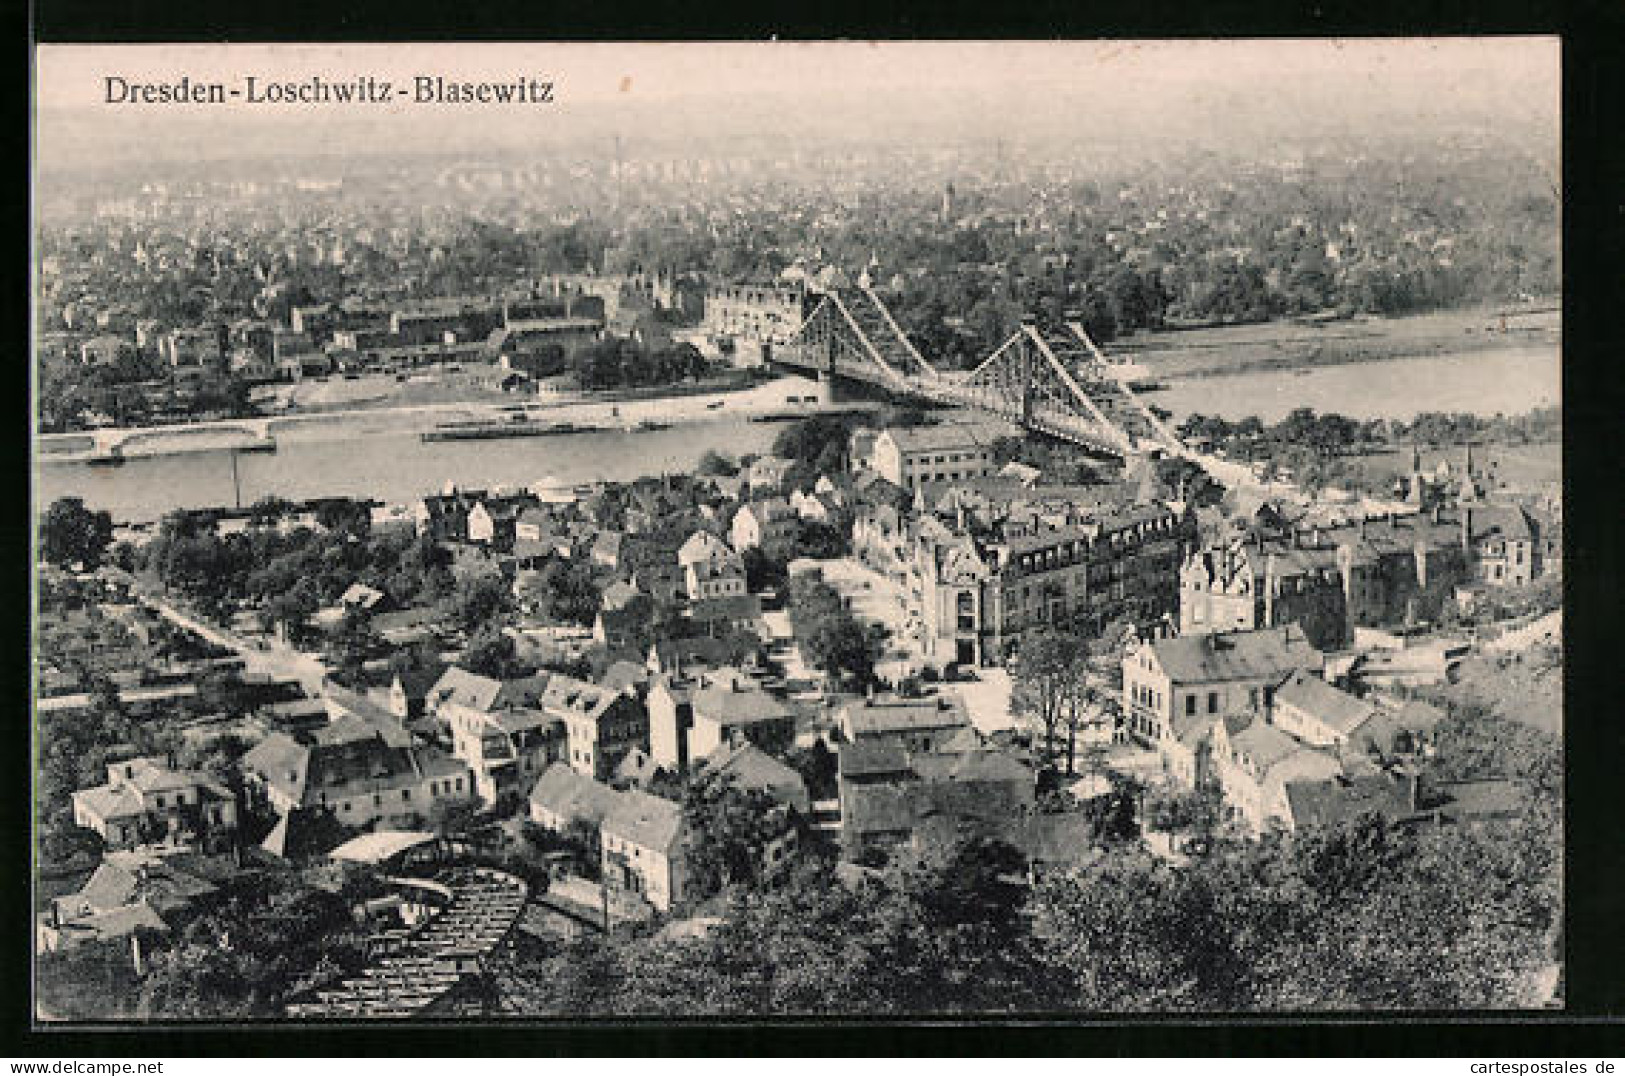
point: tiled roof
(117, 923)
(1265, 745)
(1332, 802)
(1240, 655)
(572, 795)
(568, 697)
(987, 765)
(702, 546)
(870, 758)
(282, 762)
(1337, 710)
(464, 688)
(954, 435)
(484, 693)
(750, 767)
(644, 820)
(352, 726)
(1498, 520)
(730, 698)
(879, 717)
(125, 877)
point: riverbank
(1194, 354)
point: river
(374, 457)
(332, 459)
(1508, 381)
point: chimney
(1438, 513)
(1466, 528)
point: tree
(478, 600)
(715, 464)
(454, 817)
(1046, 680)
(808, 440)
(564, 592)
(729, 831)
(72, 534)
(818, 767)
(290, 611)
(271, 935)
(269, 510)
(1197, 812)
(491, 652)
(354, 643)
(840, 645)
(763, 570)
(345, 515)
(223, 691)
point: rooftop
(878, 717)
(1238, 655)
(644, 820)
(569, 794)
(1338, 710)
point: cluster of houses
(1242, 673)
(1252, 715)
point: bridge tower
(1026, 356)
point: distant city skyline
(789, 91)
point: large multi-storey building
(978, 594)
(915, 456)
(1171, 682)
(601, 725)
(763, 314)
(1372, 573)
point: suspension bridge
(1047, 380)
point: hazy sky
(641, 86)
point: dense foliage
(70, 533)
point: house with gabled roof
(751, 768)
(766, 474)
(601, 725)
(145, 801)
(564, 799)
(506, 750)
(887, 791)
(358, 771)
(642, 840)
(691, 716)
(1503, 540)
(1317, 713)
(762, 522)
(129, 892)
(1337, 800)
(1209, 675)
(923, 724)
(1254, 766)
(460, 687)
(409, 689)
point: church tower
(1418, 482)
